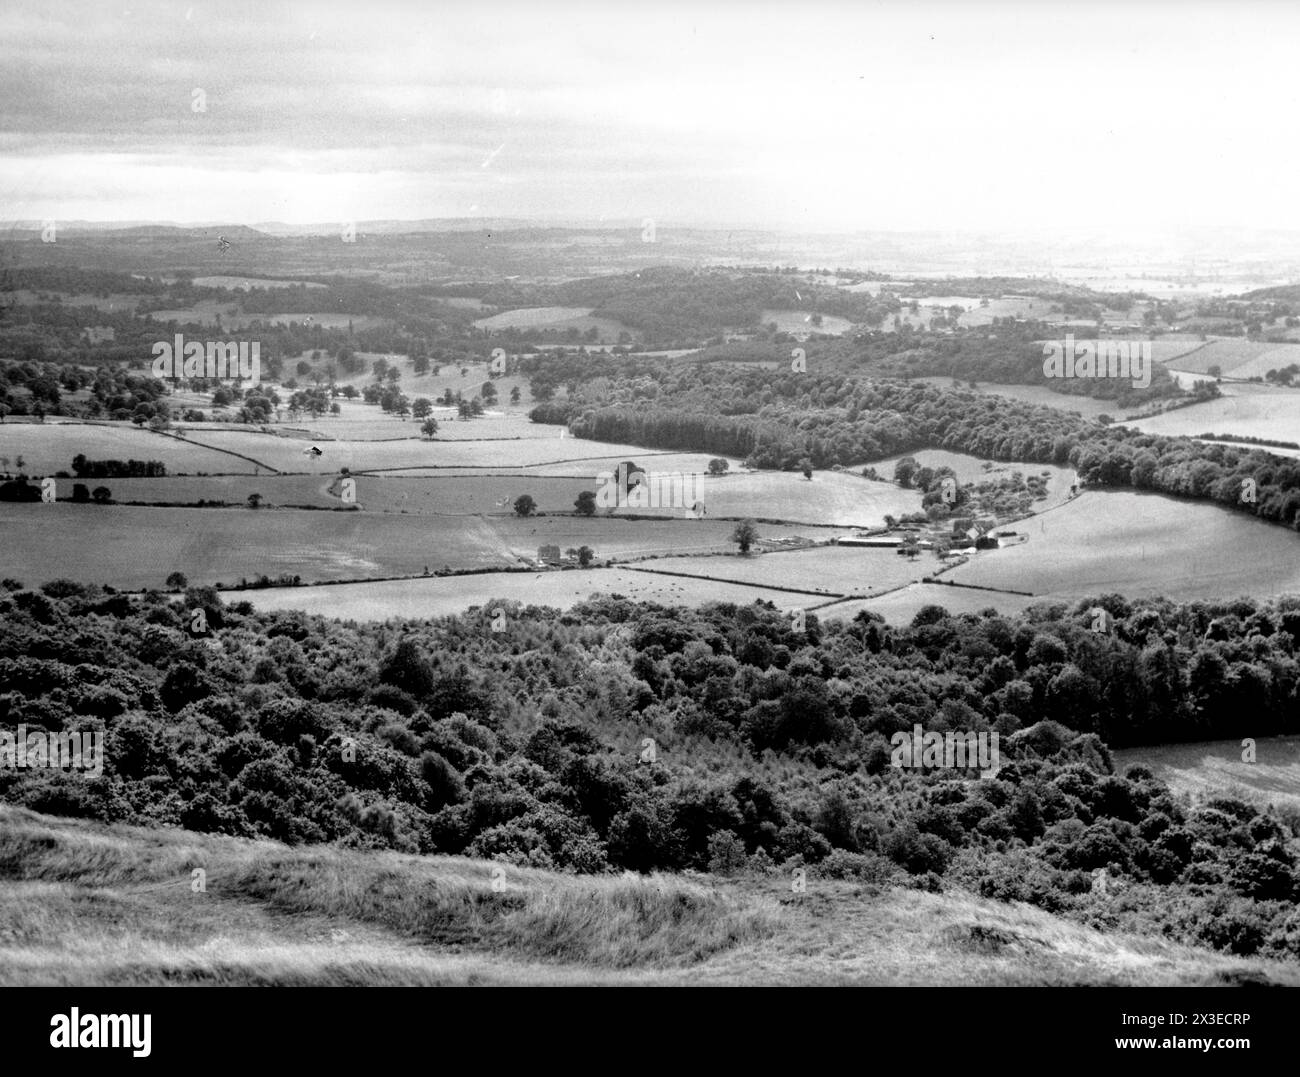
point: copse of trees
(116, 469)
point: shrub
(726, 853)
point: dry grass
(89, 904)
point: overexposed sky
(829, 116)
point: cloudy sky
(855, 115)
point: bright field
(1245, 410)
(798, 322)
(899, 607)
(49, 447)
(832, 570)
(830, 497)
(1138, 545)
(456, 594)
(1215, 768)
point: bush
(863, 867)
(726, 853)
(444, 781)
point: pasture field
(899, 607)
(114, 302)
(285, 453)
(454, 495)
(971, 469)
(577, 459)
(247, 284)
(829, 570)
(202, 312)
(455, 594)
(1168, 349)
(94, 904)
(1008, 307)
(559, 319)
(1259, 411)
(837, 498)
(1277, 357)
(1236, 357)
(1142, 545)
(966, 302)
(1215, 768)
(798, 323)
(133, 547)
(1087, 406)
(208, 312)
(532, 317)
(50, 446)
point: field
(833, 570)
(133, 547)
(560, 319)
(899, 607)
(89, 904)
(1245, 410)
(456, 594)
(1215, 768)
(1237, 358)
(799, 323)
(1027, 307)
(1140, 545)
(249, 283)
(1087, 406)
(971, 469)
(50, 446)
(837, 498)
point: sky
(870, 115)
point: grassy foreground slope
(93, 904)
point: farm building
(548, 555)
(869, 540)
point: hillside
(90, 904)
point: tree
(904, 470)
(586, 503)
(177, 581)
(429, 428)
(805, 466)
(514, 396)
(422, 407)
(718, 466)
(744, 535)
(488, 392)
(102, 495)
(525, 505)
(254, 501)
(585, 555)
